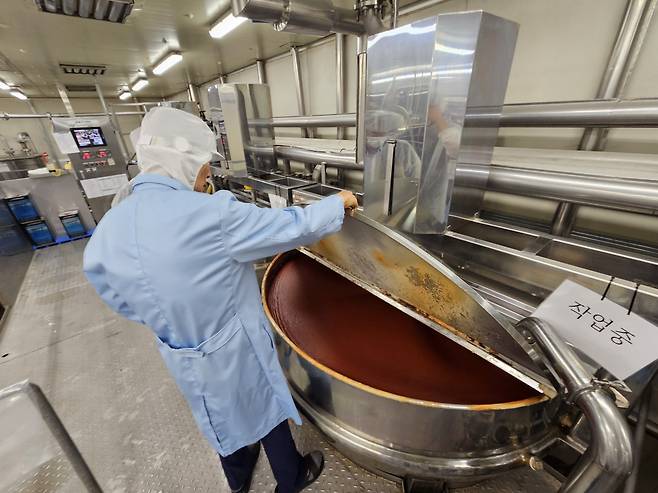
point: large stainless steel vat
(404, 437)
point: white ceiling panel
(34, 43)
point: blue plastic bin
(23, 209)
(39, 233)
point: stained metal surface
(372, 426)
(421, 81)
(394, 267)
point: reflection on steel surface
(231, 105)
(391, 266)
(422, 79)
(459, 442)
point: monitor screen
(88, 137)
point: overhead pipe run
(578, 188)
(628, 44)
(592, 190)
(319, 17)
(613, 113)
(623, 114)
(638, 113)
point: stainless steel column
(65, 99)
(262, 75)
(628, 44)
(113, 122)
(52, 147)
(340, 81)
(192, 94)
(301, 106)
(361, 83)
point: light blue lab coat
(180, 262)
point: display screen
(88, 137)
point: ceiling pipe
(319, 17)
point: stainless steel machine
(242, 146)
(425, 166)
(95, 153)
(422, 79)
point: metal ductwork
(102, 10)
(319, 17)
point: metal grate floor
(107, 382)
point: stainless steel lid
(397, 270)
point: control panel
(93, 161)
(93, 147)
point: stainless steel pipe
(344, 161)
(299, 87)
(609, 458)
(629, 113)
(343, 120)
(625, 51)
(48, 116)
(340, 81)
(262, 75)
(331, 159)
(628, 44)
(579, 188)
(303, 16)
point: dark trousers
(282, 453)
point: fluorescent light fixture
(226, 25)
(4, 86)
(17, 93)
(139, 84)
(124, 95)
(167, 62)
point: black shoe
(255, 450)
(312, 465)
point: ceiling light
(17, 93)
(125, 95)
(226, 25)
(167, 62)
(139, 84)
(4, 86)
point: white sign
(101, 187)
(277, 202)
(620, 342)
(66, 143)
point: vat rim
(276, 264)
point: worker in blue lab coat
(180, 262)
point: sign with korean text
(620, 342)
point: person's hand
(349, 201)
